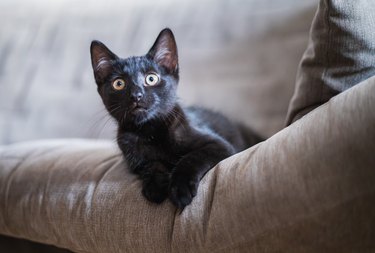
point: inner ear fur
(101, 60)
(164, 51)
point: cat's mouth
(136, 108)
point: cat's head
(137, 89)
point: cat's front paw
(155, 187)
(182, 190)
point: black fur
(168, 146)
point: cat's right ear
(101, 59)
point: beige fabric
(309, 188)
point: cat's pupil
(151, 79)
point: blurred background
(239, 57)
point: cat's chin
(139, 116)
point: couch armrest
(309, 188)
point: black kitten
(168, 146)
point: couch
(308, 188)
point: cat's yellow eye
(118, 84)
(152, 79)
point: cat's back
(211, 122)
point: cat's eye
(151, 79)
(118, 84)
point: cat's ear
(164, 51)
(101, 60)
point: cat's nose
(136, 96)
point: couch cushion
(340, 54)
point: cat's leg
(193, 166)
(155, 178)
(154, 175)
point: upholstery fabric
(340, 54)
(309, 188)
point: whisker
(101, 122)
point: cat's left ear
(102, 60)
(164, 51)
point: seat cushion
(340, 54)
